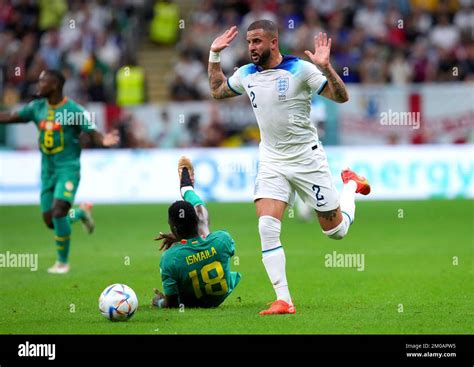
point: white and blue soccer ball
(118, 302)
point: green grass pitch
(411, 249)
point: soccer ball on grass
(118, 302)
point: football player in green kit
(195, 267)
(60, 121)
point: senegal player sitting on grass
(60, 122)
(195, 269)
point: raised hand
(224, 40)
(322, 49)
(168, 240)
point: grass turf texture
(408, 261)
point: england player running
(290, 153)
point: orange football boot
(363, 186)
(279, 307)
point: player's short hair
(266, 25)
(182, 215)
(58, 76)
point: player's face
(260, 46)
(46, 85)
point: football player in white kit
(290, 154)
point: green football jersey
(198, 270)
(59, 129)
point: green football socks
(191, 197)
(62, 231)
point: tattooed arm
(336, 89)
(217, 80)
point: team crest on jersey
(69, 185)
(282, 85)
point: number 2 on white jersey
(252, 98)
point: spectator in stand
(164, 26)
(395, 36)
(371, 20)
(213, 132)
(214, 135)
(50, 50)
(108, 49)
(72, 87)
(466, 64)
(168, 135)
(25, 17)
(373, 68)
(6, 14)
(444, 35)
(422, 66)
(310, 26)
(130, 84)
(257, 11)
(446, 66)
(51, 13)
(95, 71)
(19, 63)
(464, 18)
(181, 92)
(192, 73)
(399, 70)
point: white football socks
(347, 200)
(347, 203)
(275, 262)
(273, 256)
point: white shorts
(310, 178)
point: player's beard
(263, 58)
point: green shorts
(60, 185)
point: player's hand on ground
(322, 49)
(224, 39)
(157, 297)
(111, 139)
(168, 240)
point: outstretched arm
(336, 90)
(11, 118)
(107, 140)
(217, 79)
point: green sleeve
(170, 284)
(28, 111)
(227, 242)
(230, 245)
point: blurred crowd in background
(96, 45)
(86, 40)
(374, 41)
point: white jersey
(281, 100)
